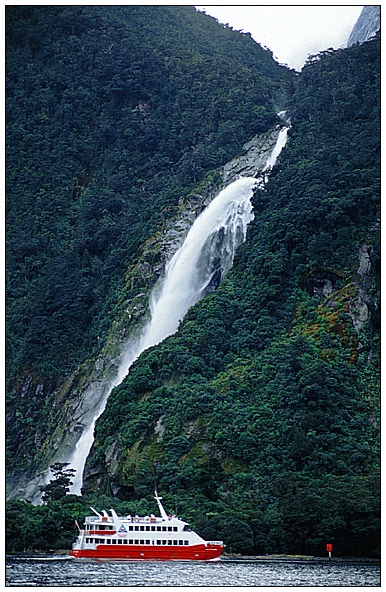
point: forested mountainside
(264, 406)
(114, 115)
(265, 403)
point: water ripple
(58, 572)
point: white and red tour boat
(165, 537)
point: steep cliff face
(75, 401)
(262, 410)
(270, 389)
(367, 25)
(113, 124)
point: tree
(59, 486)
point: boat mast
(161, 508)
(97, 513)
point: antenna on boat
(95, 512)
(161, 508)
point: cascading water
(205, 256)
(195, 269)
(208, 250)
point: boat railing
(134, 519)
(214, 542)
(143, 519)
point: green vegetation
(53, 526)
(264, 406)
(268, 397)
(113, 114)
(60, 485)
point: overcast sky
(291, 32)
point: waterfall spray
(199, 265)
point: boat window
(152, 528)
(119, 541)
(148, 542)
(141, 528)
(187, 528)
(125, 542)
(147, 528)
(141, 542)
(159, 528)
(175, 528)
(164, 528)
(186, 542)
(170, 542)
(130, 527)
(180, 542)
(136, 542)
(164, 542)
(175, 542)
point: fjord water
(196, 268)
(69, 572)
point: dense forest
(264, 406)
(113, 114)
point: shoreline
(277, 558)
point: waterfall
(207, 252)
(195, 269)
(280, 143)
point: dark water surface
(63, 571)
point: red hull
(154, 552)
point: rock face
(74, 402)
(367, 25)
(359, 312)
(253, 158)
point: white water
(205, 256)
(208, 249)
(280, 143)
